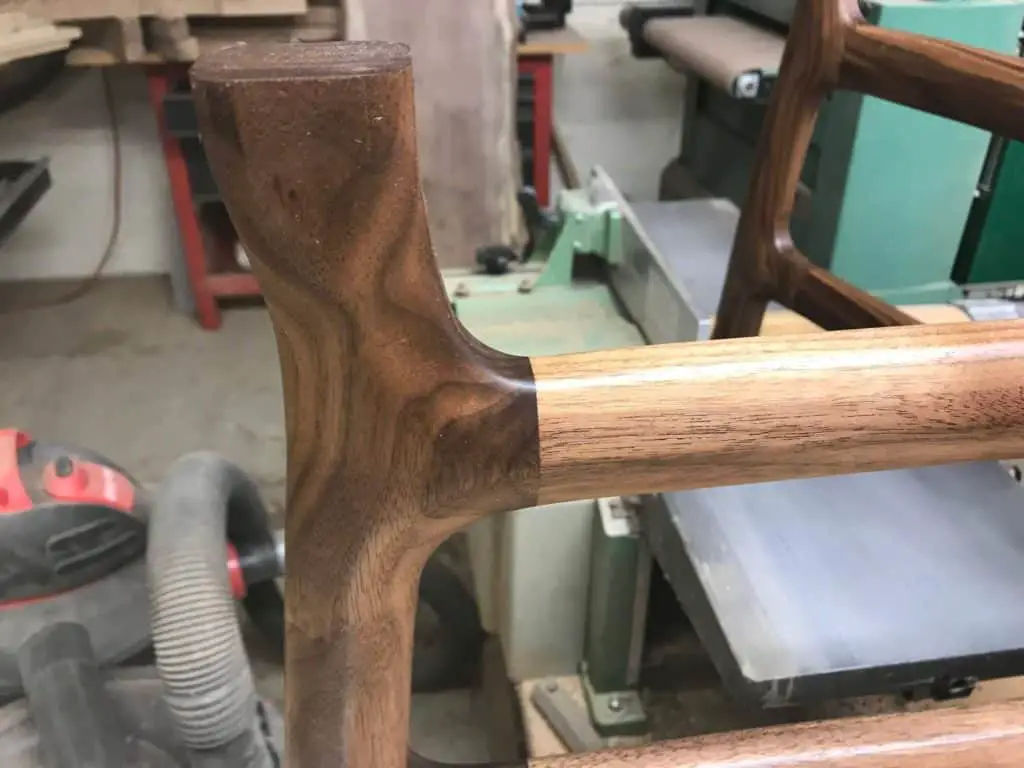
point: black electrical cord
(117, 189)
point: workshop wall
(65, 235)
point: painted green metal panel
(904, 192)
(999, 256)
(890, 187)
(931, 166)
(551, 320)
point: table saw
(901, 582)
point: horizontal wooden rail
(986, 737)
(835, 304)
(967, 84)
(747, 410)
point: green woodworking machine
(800, 591)
(803, 591)
(904, 204)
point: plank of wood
(23, 37)
(553, 42)
(784, 322)
(990, 736)
(466, 124)
(69, 10)
(104, 42)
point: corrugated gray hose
(200, 656)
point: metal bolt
(747, 85)
(552, 686)
(615, 704)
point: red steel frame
(541, 67)
(208, 286)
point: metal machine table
(841, 586)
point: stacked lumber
(136, 31)
(160, 39)
(466, 127)
(66, 10)
(23, 36)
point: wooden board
(106, 42)
(59, 10)
(669, 712)
(465, 73)
(553, 42)
(23, 36)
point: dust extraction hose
(200, 656)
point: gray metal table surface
(842, 586)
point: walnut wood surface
(682, 416)
(809, 70)
(402, 428)
(830, 46)
(973, 86)
(988, 737)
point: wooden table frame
(402, 428)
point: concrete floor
(120, 372)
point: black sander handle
(75, 717)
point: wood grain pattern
(809, 70)
(401, 428)
(682, 416)
(830, 46)
(784, 322)
(972, 86)
(833, 303)
(989, 737)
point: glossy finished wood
(402, 428)
(988, 737)
(830, 46)
(965, 84)
(681, 416)
(757, 270)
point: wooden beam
(466, 123)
